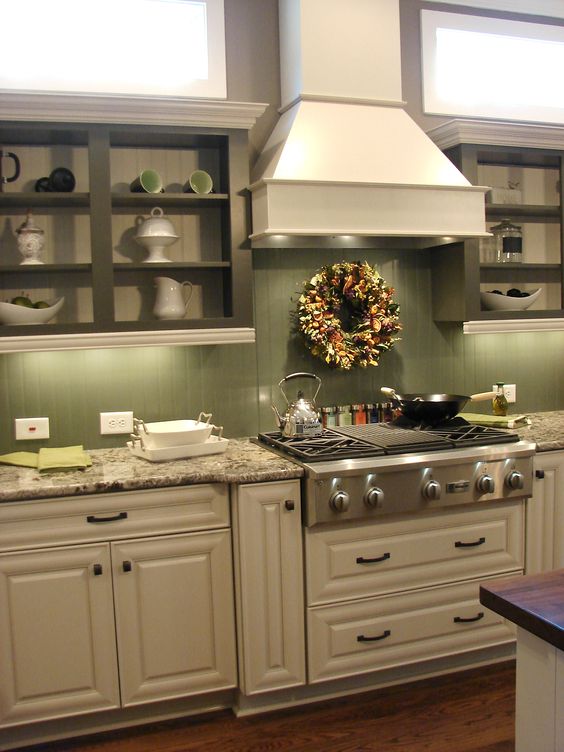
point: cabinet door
(545, 514)
(57, 634)
(175, 616)
(270, 586)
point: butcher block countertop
(534, 602)
(243, 462)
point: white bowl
(493, 301)
(10, 313)
(175, 433)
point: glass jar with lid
(508, 242)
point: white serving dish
(213, 445)
(495, 302)
(174, 433)
(10, 313)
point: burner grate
(383, 439)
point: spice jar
(329, 416)
(508, 242)
(344, 415)
(358, 413)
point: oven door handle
(362, 560)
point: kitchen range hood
(345, 165)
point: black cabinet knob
(539, 473)
(97, 568)
(290, 505)
(126, 566)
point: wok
(431, 409)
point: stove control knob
(515, 480)
(485, 484)
(340, 501)
(374, 497)
(432, 490)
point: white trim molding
(552, 8)
(91, 341)
(88, 108)
(508, 326)
(496, 133)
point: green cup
(148, 181)
(199, 182)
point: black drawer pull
(539, 474)
(97, 569)
(461, 544)
(362, 560)
(114, 518)
(289, 504)
(126, 566)
(385, 633)
(467, 620)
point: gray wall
(238, 383)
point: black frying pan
(431, 409)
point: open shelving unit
(91, 255)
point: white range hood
(345, 164)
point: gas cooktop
(384, 439)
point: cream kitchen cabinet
(545, 514)
(121, 621)
(269, 585)
(405, 590)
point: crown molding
(81, 108)
(497, 133)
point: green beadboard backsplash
(238, 383)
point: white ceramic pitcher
(172, 298)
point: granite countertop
(546, 430)
(119, 470)
(243, 462)
(534, 602)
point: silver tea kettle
(301, 418)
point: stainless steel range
(361, 472)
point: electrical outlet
(510, 391)
(116, 422)
(32, 428)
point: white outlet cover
(31, 428)
(116, 422)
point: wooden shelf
(42, 268)
(530, 212)
(43, 200)
(521, 266)
(136, 200)
(152, 267)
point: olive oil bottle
(499, 402)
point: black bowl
(62, 180)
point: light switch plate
(32, 428)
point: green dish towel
(495, 421)
(63, 458)
(22, 459)
(50, 458)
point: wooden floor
(465, 712)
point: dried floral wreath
(347, 316)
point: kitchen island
(536, 605)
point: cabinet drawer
(366, 560)
(105, 517)
(363, 636)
